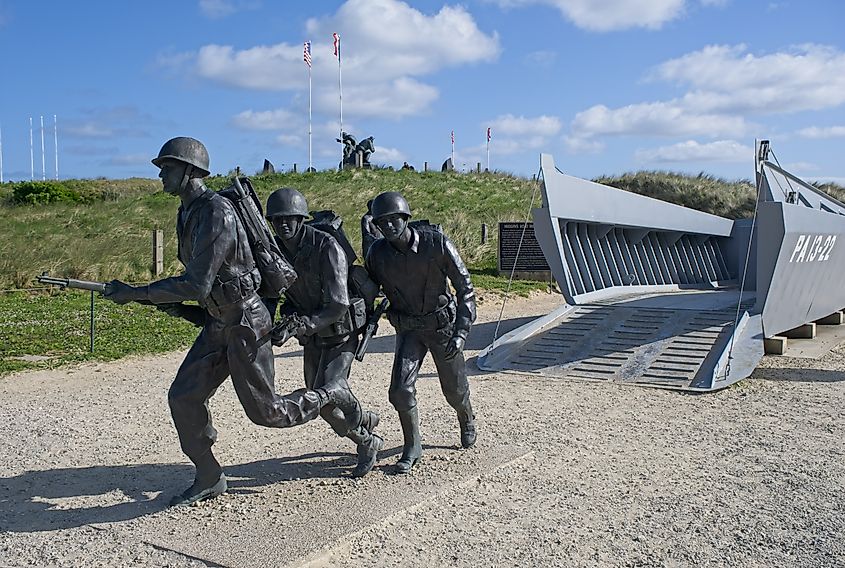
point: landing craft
(663, 295)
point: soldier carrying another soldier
(221, 275)
(321, 299)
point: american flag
(306, 53)
(336, 45)
(488, 134)
(453, 137)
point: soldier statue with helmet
(221, 276)
(414, 267)
(320, 298)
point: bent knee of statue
(402, 399)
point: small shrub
(42, 192)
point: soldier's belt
(438, 319)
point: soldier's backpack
(358, 281)
(276, 273)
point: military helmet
(388, 203)
(185, 149)
(286, 201)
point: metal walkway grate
(650, 346)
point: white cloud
(692, 151)
(278, 119)
(384, 155)
(669, 118)
(270, 68)
(726, 85)
(581, 145)
(514, 134)
(511, 125)
(610, 15)
(386, 46)
(822, 132)
(400, 97)
(730, 79)
(798, 167)
(216, 9)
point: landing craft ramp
(666, 296)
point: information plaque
(530, 257)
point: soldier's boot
(208, 483)
(412, 448)
(466, 420)
(369, 445)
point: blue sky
(606, 86)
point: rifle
(371, 329)
(176, 309)
(72, 283)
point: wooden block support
(775, 345)
(158, 252)
(836, 318)
(806, 331)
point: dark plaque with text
(530, 257)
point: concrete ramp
(681, 341)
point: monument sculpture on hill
(351, 149)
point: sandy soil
(565, 473)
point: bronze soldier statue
(221, 275)
(414, 266)
(320, 298)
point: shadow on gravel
(799, 375)
(72, 497)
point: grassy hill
(102, 230)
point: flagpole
(1, 153)
(31, 154)
(56, 143)
(488, 148)
(453, 149)
(43, 168)
(340, 91)
(310, 166)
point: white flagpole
(56, 143)
(1, 154)
(310, 166)
(488, 149)
(43, 168)
(453, 148)
(340, 91)
(31, 154)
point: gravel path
(565, 473)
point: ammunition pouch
(232, 291)
(352, 321)
(438, 320)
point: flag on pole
(306, 53)
(453, 137)
(489, 134)
(336, 39)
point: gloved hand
(455, 346)
(121, 293)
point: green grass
(57, 326)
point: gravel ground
(565, 473)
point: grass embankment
(106, 234)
